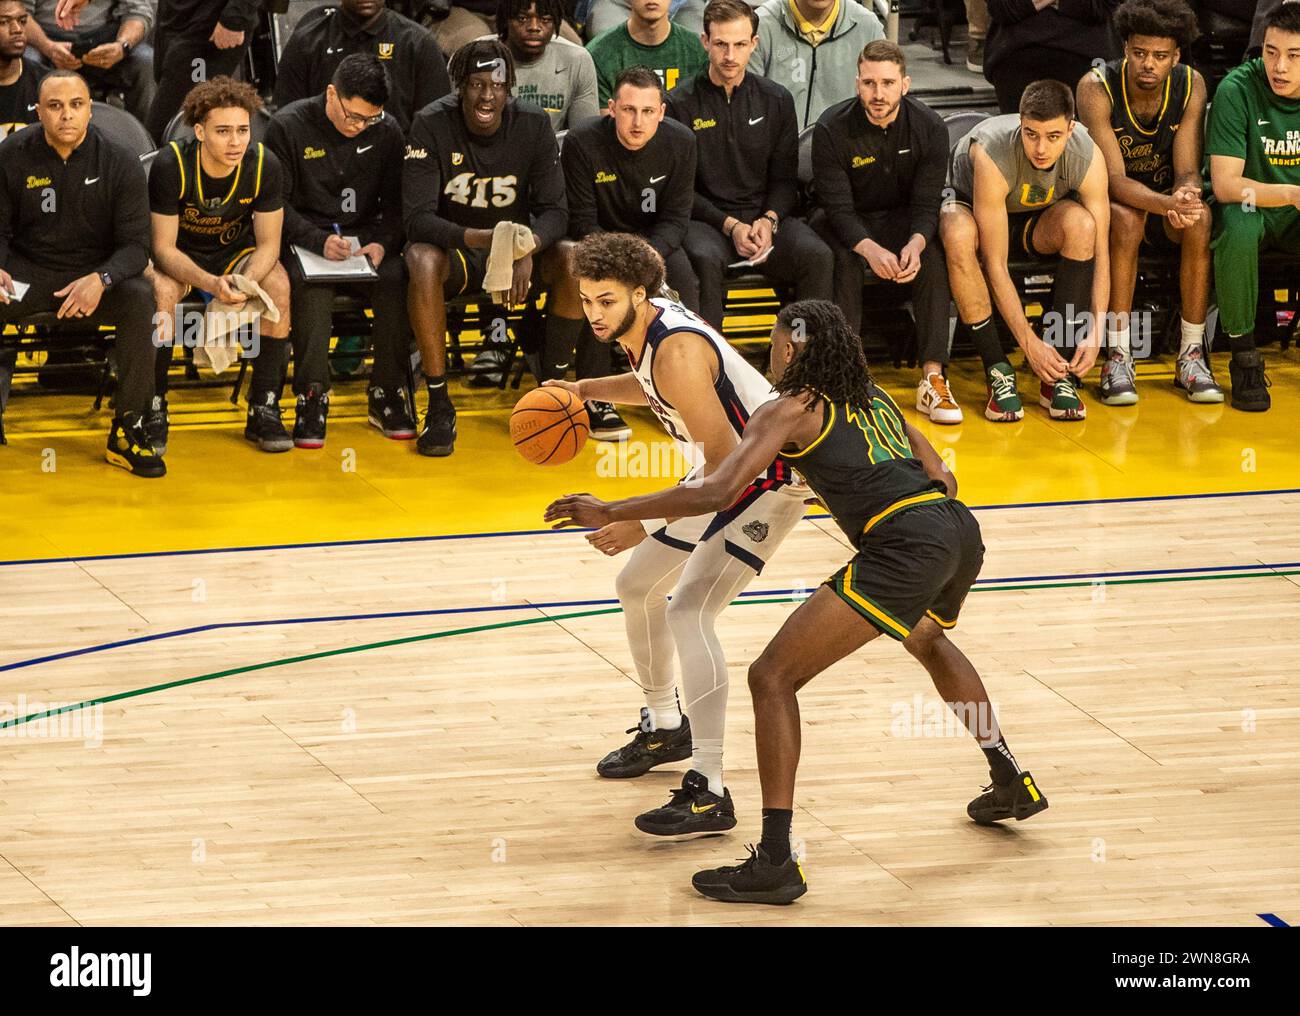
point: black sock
(1071, 306)
(1242, 343)
(1001, 762)
(558, 347)
(776, 834)
(987, 342)
(161, 365)
(268, 370)
(437, 389)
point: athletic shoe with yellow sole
(128, 447)
(1017, 799)
(756, 880)
(1004, 401)
(692, 811)
(648, 749)
(1061, 399)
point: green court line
(500, 625)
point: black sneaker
(156, 424)
(263, 426)
(493, 358)
(606, 424)
(648, 749)
(309, 421)
(756, 880)
(390, 411)
(438, 434)
(1250, 384)
(1017, 799)
(128, 447)
(692, 811)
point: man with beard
(1145, 112)
(20, 79)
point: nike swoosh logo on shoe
(654, 747)
(697, 810)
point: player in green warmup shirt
(651, 40)
(1253, 141)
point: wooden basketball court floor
(359, 687)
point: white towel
(510, 242)
(222, 321)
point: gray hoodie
(817, 76)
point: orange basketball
(549, 426)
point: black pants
(128, 306)
(1013, 75)
(928, 291)
(798, 256)
(175, 69)
(311, 314)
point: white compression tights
(702, 583)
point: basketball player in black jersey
(918, 553)
(1146, 113)
(217, 211)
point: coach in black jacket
(74, 226)
(747, 158)
(342, 158)
(879, 163)
(417, 73)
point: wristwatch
(106, 279)
(776, 226)
(126, 47)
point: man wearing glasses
(417, 73)
(550, 72)
(343, 178)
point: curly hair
(219, 93)
(1160, 19)
(830, 361)
(508, 10)
(475, 56)
(625, 258)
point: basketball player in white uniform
(703, 392)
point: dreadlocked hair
(507, 10)
(476, 56)
(829, 360)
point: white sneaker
(934, 399)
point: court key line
(500, 625)
(551, 532)
(1050, 581)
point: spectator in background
(811, 47)
(113, 33)
(20, 79)
(1251, 139)
(476, 142)
(217, 211)
(977, 31)
(472, 19)
(879, 163)
(629, 172)
(194, 41)
(606, 14)
(746, 180)
(342, 161)
(1055, 40)
(81, 247)
(416, 70)
(550, 72)
(646, 39)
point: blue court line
(548, 532)
(1274, 920)
(553, 604)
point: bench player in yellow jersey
(918, 553)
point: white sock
(664, 715)
(1193, 335)
(1120, 343)
(706, 759)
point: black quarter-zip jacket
(89, 214)
(417, 73)
(329, 178)
(609, 186)
(859, 168)
(747, 147)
